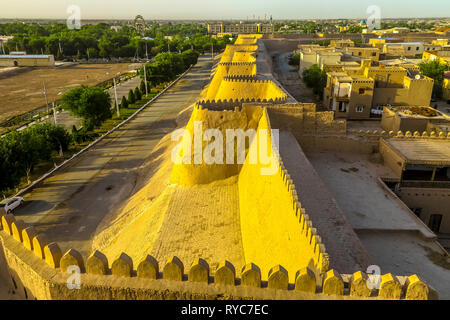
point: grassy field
(21, 89)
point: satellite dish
(417, 77)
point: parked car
(12, 203)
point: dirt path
(289, 78)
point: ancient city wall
(36, 269)
(248, 89)
(273, 224)
(302, 118)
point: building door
(435, 222)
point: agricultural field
(21, 90)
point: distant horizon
(205, 10)
(227, 19)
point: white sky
(222, 9)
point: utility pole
(60, 49)
(145, 80)
(168, 47)
(54, 112)
(45, 94)
(115, 95)
(212, 50)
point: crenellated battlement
(212, 104)
(234, 77)
(101, 277)
(232, 63)
(401, 135)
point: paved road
(123, 88)
(68, 206)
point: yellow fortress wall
(238, 89)
(192, 174)
(273, 226)
(235, 76)
(229, 69)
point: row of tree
(133, 97)
(168, 65)
(100, 41)
(21, 151)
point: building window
(417, 48)
(374, 54)
(362, 90)
(409, 48)
(341, 106)
(359, 109)
(435, 222)
(359, 53)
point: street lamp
(145, 80)
(54, 107)
(115, 94)
(44, 92)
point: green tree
(124, 103)
(435, 70)
(92, 104)
(189, 57)
(315, 79)
(137, 94)
(294, 59)
(131, 97)
(21, 151)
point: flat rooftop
(422, 151)
(422, 112)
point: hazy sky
(222, 9)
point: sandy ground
(69, 206)
(21, 89)
(387, 230)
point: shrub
(124, 103)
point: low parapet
(236, 77)
(227, 103)
(402, 135)
(100, 277)
(237, 63)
